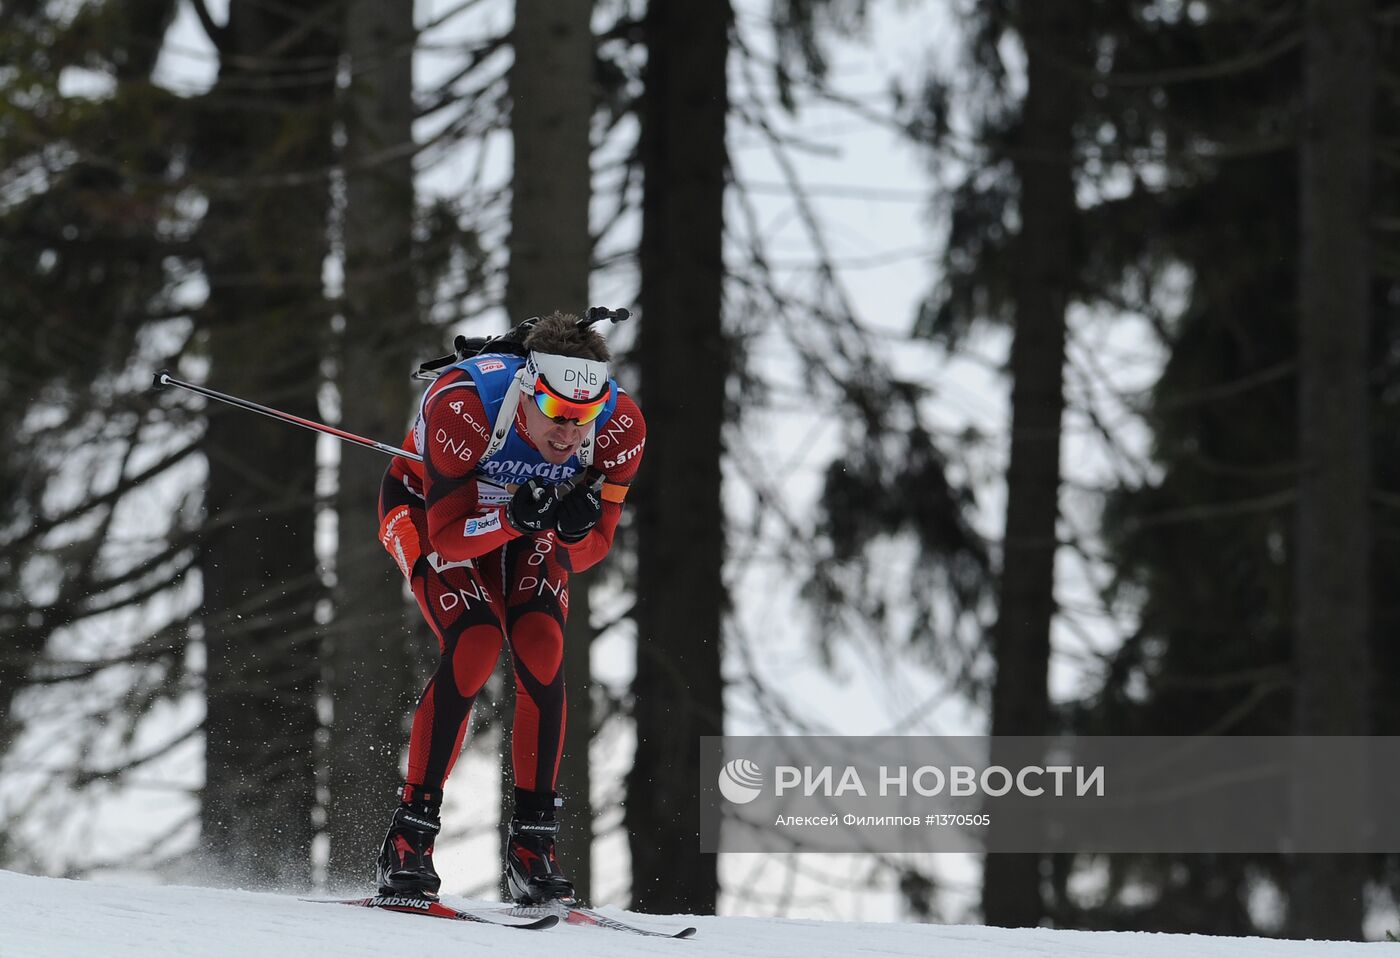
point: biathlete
(526, 462)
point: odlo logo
(740, 781)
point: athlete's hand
(579, 512)
(533, 507)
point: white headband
(569, 376)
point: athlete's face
(556, 441)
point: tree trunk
(371, 678)
(678, 691)
(551, 250)
(264, 149)
(1334, 548)
(1044, 273)
(551, 91)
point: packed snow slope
(55, 918)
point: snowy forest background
(1010, 367)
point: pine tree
(677, 690)
(551, 252)
(371, 678)
(1044, 274)
(264, 155)
(92, 240)
(1332, 569)
(1202, 107)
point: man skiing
(487, 530)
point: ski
(578, 915)
(415, 905)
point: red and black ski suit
(480, 582)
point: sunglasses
(562, 409)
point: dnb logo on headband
(583, 383)
(569, 376)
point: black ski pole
(163, 380)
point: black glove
(578, 513)
(533, 507)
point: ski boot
(405, 865)
(532, 871)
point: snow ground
(57, 918)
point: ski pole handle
(163, 380)
(582, 477)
